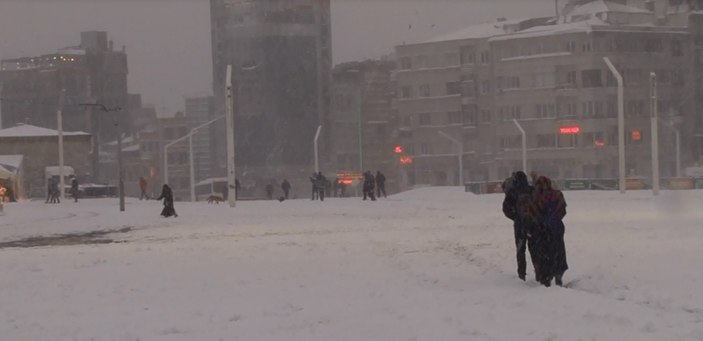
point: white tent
(11, 174)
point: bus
(213, 186)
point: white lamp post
(460, 155)
(524, 145)
(621, 125)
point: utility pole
(119, 166)
(59, 123)
(621, 126)
(655, 131)
(317, 160)
(229, 122)
(524, 145)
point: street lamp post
(524, 145)
(460, 155)
(317, 160)
(655, 132)
(190, 155)
(229, 122)
(621, 125)
(59, 124)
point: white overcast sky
(168, 41)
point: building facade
(550, 78)
(363, 120)
(92, 72)
(201, 110)
(280, 51)
(39, 148)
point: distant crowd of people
(53, 194)
(537, 211)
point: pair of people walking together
(537, 214)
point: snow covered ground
(430, 264)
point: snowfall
(428, 264)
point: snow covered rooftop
(601, 6)
(539, 31)
(26, 130)
(477, 31)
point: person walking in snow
(285, 186)
(269, 191)
(74, 188)
(321, 183)
(313, 180)
(167, 196)
(54, 192)
(368, 187)
(142, 188)
(517, 206)
(552, 209)
(380, 184)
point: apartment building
(549, 77)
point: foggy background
(168, 41)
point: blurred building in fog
(90, 72)
(364, 126)
(200, 110)
(280, 51)
(551, 77)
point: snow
(430, 264)
(26, 130)
(477, 31)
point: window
(424, 90)
(586, 47)
(425, 149)
(653, 45)
(566, 141)
(510, 112)
(453, 88)
(571, 46)
(543, 80)
(485, 57)
(406, 92)
(633, 76)
(454, 117)
(485, 87)
(425, 119)
(676, 49)
(485, 116)
(467, 55)
(406, 63)
(545, 111)
(468, 114)
(591, 78)
(451, 59)
(546, 141)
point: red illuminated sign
(569, 130)
(406, 160)
(599, 143)
(346, 181)
(636, 135)
(398, 149)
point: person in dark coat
(321, 184)
(552, 209)
(313, 181)
(517, 207)
(285, 186)
(142, 188)
(368, 187)
(74, 188)
(54, 190)
(167, 196)
(49, 191)
(269, 191)
(237, 187)
(380, 184)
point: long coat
(167, 196)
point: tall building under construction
(280, 52)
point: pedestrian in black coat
(167, 196)
(285, 186)
(74, 188)
(368, 187)
(517, 207)
(552, 209)
(380, 184)
(269, 191)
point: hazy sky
(168, 41)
